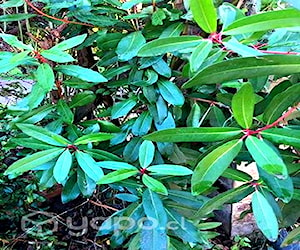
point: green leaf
(62, 166)
(45, 77)
(157, 17)
(236, 175)
(70, 43)
(194, 116)
(244, 67)
(241, 49)
(44, 135)
(129, 46)
(146, 153)
(264, 215)
(82, 99)
(131, 150)
(89, 166)
(122, 108)
(281, 103)
(264, 21)
(169, 169)
(35, 115)
(243, 105)
(15, 17)
(57, 56)
(193, 134)
(118, 175)
(71, 190)
(81, 73)
(31, 143)
(266, 157)
(86, 184)
(142, 124)
(211, 167)
(284, 136)
(204, 14)
(32, 161)
(154, 185)
(13, 41)
(103, 155)
(154, 208)
(116, 165)
(65, 112)
(200, 54)
(170, 92)
(12, 3)
(292, 237)
(153, 238)
(98, 137)
(168, 45)
(232, 195)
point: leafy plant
(169, 100)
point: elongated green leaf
(153, 237)
(45, 77)
(232, 195)
(264, 215)
(89, 166)
(146, 153)
(241, 49)
(243, 105)
(283, 136)
(266, 157)
(200, 54)
(154, 208)
(211, 167)
(35, 115)
(167, 45)
(129, 45)
(193, 134)
(12, 3)
(70, 43)
(15, 17)
(292, 237)
(32, 161)
(118, 175)
(122, 108)
(169, 169)
(44, 135)
(194, 116)
(57, 56)
(236, 175)
(65, 112)
(31, 143)
(62, 166)
(265, 21)
(71, 190)
(85, 139)
(205, 14)
(154, 185)
(245, 67)
(115, 165)
(281, 103)
(103, 155)
(86, 184)
(142, 124)
(82, 99)
(13, 41)
(81, 73)
(170, 92)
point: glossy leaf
(97, 137)
(264, 216)
(57, 56)
(154, 184)
(243, 105)
(200, 54)
(241, 49)
(244, 67)
(88, 165)
(232, 195)
(32, 161)
(82, 99)
(62, 166)
(283, 136)
(86, 184)
(194, 116)
(266, 157)
(280, 103)
(236, 175)
(129, 45)
(142, 124)
(168, 45)
(153, 238)
(115, 165)
(264, 21)
(170, 92)
(65, 112)
(204, 14)
(45, 77)
(211, 167)
(193, 134)
(81, 73)
(169, 169)
(122, 108)
(15, 17)
(292, 237)
(13, 41)
(71, 190)
(44, 135)
(103, 155)
(146, 153)
(70, 43)
(118, 175)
